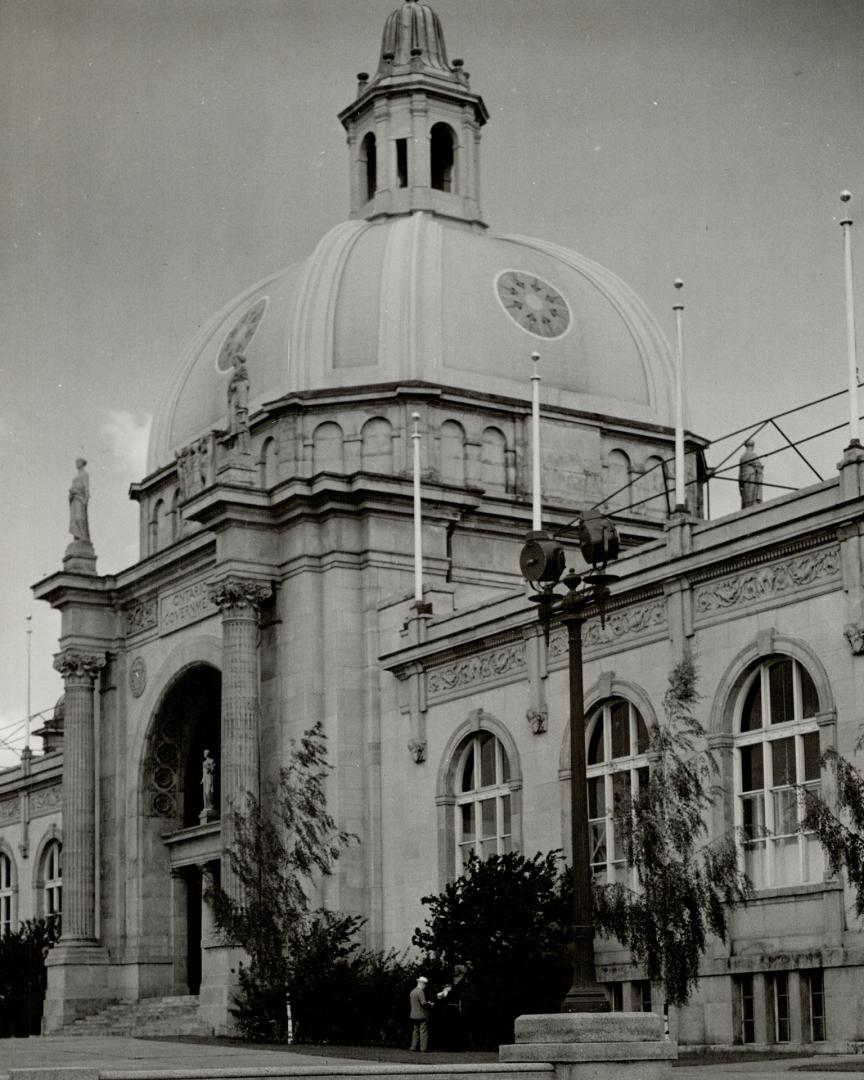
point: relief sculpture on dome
(195, 466)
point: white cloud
(127, 436)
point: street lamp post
(542, 563)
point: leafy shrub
(22, 977)
(505, 920)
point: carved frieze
(195, 465)
(491, 665)
(767, 582)
(44, 800)
(10, 809)
(141, 616)
(620, 626)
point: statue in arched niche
(208, 786)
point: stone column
(239, 601)
(79, 671)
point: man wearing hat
(420, 1016)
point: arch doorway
(183, 831)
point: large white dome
(421, 297)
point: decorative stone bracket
(854, 634)
(412, 704)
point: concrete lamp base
(594, 1046)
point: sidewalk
(51, 1057)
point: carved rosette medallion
(236, 596)
(138, 676)
(164, 766)
(79, 667)
(533, 304)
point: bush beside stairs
(176, 1015)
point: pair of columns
(239, 602)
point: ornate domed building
(276, 588)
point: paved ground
(117, 1054)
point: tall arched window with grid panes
(777, 749)
(483, 799)
(7, 895)
(52, 884)
(616, 767)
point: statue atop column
(750, 470)
(80, 557)
(208, 783)
(79, 497)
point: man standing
(420, 1016)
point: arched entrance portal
(183, 787)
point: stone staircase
(150, 1016)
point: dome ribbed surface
(413, 28)
(422, 298)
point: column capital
(78, 667)
(235, 595)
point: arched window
(369, 165)
(443, 152)
(483, 799)
(327, 448)
(616, 768)
(618, 480)
(777, 748)
(269, 463)
(7, 895)
(493, 460)
(176, 516)
(376, 447)
(52, 884)
(656, 481)
(453, 453)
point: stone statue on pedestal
(750, 470)
(79, 496)
(208, 779)
(80, 558)
(238, 402)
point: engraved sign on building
(184, 606)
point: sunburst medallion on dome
(238, 339)
(533, 303)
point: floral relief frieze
(619, 626)
(771, 580)
(492, 665)
(44, 800)
(10, 809)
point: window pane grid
(617, 767)
(771, 761)
(483, 805)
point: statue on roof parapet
(750, 471)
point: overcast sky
(158, 156)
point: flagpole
(536, 493)
(680, 491)
(29, 649)
(418, 532)
(851, 350)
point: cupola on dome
(414, 287)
